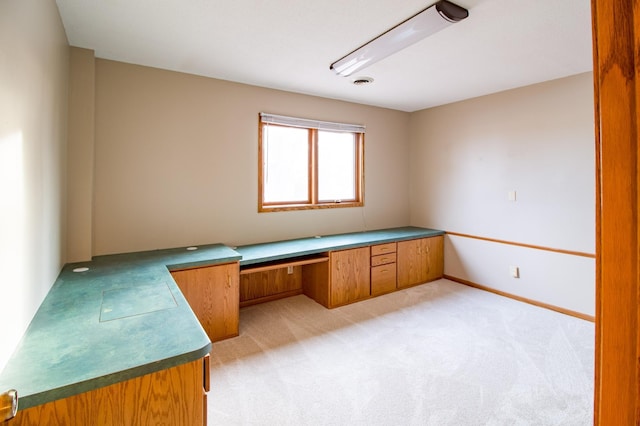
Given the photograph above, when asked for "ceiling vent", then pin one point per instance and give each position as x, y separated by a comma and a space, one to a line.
361, 81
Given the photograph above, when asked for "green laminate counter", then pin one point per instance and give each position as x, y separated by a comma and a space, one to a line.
126, 317
121, 319
281, 250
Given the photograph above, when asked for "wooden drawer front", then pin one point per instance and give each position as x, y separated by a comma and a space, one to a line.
383, 259
383, 279
383, 249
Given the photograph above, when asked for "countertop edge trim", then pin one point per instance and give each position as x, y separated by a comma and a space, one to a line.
91, 384
202, 263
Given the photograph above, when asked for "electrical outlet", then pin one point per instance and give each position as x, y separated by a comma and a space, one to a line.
289, 270
514, 271
511, 195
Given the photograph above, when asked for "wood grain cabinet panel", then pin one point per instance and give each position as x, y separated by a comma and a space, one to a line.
213, 294
380, 249
383, 268
167, 397
420, 261
349, 276
269, 285
383, 259
383, 279
315, 282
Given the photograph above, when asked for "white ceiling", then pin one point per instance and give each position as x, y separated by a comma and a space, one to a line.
289, 44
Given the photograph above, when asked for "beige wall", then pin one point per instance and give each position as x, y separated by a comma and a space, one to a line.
176, 162
171, 160
33, 116
80, 154
536, 140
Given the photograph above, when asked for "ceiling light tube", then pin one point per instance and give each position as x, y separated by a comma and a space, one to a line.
432, 19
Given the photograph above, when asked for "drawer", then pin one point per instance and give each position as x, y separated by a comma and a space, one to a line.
383, 279
383, 249
383, 259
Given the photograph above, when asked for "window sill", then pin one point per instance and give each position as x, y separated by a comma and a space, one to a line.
288, 207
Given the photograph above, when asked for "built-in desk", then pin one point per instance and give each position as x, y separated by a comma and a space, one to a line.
115, 341
118, 340
284, 250
337, 269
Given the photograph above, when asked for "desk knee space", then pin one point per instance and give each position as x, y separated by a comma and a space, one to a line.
275, 280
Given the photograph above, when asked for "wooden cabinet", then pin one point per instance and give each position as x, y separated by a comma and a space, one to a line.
383, 268
420, 260
357, 274
175, 396
349, 277
213, 294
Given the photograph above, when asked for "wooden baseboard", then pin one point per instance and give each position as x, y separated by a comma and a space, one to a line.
522, 299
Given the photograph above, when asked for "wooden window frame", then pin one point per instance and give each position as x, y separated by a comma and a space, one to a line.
312, 203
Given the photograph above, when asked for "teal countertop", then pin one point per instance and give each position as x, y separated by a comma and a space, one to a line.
268, 252
125, 316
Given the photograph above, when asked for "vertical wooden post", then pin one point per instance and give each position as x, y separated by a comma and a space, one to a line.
616, 39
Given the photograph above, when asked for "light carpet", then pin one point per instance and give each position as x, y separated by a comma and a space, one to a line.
437, 354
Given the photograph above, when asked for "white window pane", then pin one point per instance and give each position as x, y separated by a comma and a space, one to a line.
285, 159
336, 166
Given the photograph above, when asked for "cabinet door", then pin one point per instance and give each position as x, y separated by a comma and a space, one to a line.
213, 294
166, 397
349, 276
420, 261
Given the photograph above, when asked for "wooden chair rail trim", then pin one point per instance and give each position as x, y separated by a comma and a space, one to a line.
532, 246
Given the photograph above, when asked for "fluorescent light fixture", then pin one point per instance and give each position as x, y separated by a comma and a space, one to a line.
432, 19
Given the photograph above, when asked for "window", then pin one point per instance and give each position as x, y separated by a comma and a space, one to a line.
307, 164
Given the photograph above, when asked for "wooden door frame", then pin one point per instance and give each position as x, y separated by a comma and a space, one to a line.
616, 51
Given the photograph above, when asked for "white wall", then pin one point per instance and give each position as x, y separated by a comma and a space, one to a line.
33, 117
537, 140
177, 162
